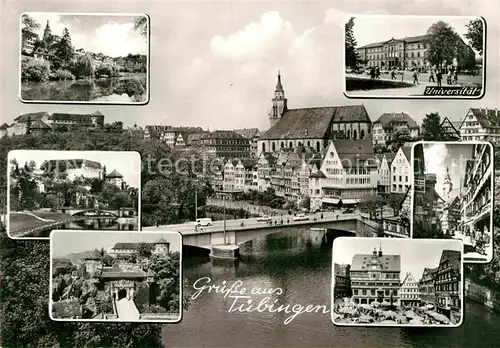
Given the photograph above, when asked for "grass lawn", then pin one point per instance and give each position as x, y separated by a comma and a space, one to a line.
21, 222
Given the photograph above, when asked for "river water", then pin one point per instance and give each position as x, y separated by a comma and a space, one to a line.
303, 271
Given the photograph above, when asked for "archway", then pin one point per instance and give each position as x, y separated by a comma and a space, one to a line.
354, 134
362, 134
122, 293
273, 147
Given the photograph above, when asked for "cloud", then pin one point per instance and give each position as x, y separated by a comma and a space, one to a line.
235, 78
435, 157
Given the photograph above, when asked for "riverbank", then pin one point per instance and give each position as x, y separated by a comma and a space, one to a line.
482, 294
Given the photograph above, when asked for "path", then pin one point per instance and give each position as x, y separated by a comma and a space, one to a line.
126, 310
31, 214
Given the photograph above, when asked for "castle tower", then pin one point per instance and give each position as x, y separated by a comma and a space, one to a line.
47, 33
447, 184
162, 246
279, 103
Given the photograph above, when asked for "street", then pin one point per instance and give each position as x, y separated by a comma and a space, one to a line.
188, 227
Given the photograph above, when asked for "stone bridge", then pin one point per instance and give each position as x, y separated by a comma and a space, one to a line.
357, 226
99, 213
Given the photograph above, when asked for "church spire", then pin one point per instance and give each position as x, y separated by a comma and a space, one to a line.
447, 174
279, 86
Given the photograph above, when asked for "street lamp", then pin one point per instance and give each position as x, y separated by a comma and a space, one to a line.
224, 215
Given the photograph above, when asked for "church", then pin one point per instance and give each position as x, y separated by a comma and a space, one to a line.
311, 127
450, 217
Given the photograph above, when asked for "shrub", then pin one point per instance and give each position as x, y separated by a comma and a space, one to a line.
152, 309
63, 75
106, 69
34, 70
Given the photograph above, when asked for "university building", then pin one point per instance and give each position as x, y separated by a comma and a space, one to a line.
481, 124
408, 52
311, 127
375, 277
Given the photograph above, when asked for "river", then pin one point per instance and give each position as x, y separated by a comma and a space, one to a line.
303, 271
131, 88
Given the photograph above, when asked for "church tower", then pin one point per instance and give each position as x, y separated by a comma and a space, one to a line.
279, 103
47, 33
447, 185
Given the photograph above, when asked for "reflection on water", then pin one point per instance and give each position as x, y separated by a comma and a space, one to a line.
301, 267
100, 224
130, 88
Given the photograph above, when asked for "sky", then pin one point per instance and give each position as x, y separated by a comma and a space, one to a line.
127, 164
438, 157
416, 254
110, 35
64, 243
402, 26
215, 64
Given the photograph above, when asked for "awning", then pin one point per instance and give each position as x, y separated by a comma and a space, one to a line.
349, 201
330, 200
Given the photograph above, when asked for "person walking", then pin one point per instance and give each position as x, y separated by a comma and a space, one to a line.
448, 77
431, 76
393, 74
372, 73
415, 77
455, 76
377, 73
439, 77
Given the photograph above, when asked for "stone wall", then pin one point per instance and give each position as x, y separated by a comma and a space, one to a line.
482, 294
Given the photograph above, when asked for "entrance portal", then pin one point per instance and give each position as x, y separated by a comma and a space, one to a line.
122, 294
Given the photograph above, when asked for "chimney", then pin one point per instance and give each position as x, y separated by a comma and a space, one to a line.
380, 250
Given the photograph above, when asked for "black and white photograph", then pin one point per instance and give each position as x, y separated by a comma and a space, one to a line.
116, 276
397, 282
87, 190
84, 58
390, 56
453, 196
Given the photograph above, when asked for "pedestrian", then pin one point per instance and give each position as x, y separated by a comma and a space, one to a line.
393, 74
448, 77
372, 73
431, 76
377, 72
439, 77
455, 76
415, 77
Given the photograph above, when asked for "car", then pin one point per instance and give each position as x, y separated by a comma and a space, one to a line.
203, 222
300, 217
348, 211
264, 218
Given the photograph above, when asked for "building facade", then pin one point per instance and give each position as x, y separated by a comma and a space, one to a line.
448, 285
74, 168
401, 170
409, 293
311, 127
225, 144
477, 219
253, 135
116, 179
408, 52
426, 287
375, 277
342, 285
389, 124
481, 124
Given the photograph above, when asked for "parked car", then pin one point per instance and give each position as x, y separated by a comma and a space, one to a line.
203, 222
300, 217
348, 211
264, 218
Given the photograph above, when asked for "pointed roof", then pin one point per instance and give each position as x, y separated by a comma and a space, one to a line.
97, 113
162, 241
114, 174
487, 118
454, 258
39, 124
33, 116
248, 133
389, 117
279, 86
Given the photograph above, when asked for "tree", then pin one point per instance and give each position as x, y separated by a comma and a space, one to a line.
442, 42
475, 35
25, 320
394, 202
64, 49
84, 66
351, 56
145, 249
141, 25
431, 127
29, 29
399, 138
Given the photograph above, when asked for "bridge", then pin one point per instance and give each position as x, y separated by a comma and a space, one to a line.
95, 213
236, 234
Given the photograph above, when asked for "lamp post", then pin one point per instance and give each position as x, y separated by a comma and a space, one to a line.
224, 215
